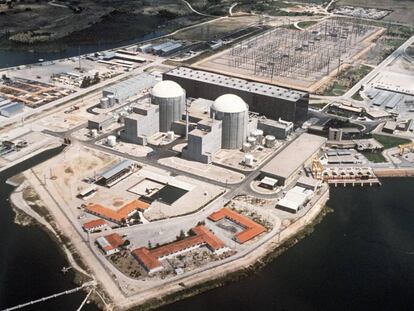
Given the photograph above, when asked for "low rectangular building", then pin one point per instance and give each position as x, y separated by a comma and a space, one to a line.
150, 259
11, 109
251, 229
298, 154
294, 200
110, 244
95, 225
272, 101
279, 129
100, 122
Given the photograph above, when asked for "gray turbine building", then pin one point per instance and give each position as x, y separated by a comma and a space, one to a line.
170, 97
272, 101
233, 112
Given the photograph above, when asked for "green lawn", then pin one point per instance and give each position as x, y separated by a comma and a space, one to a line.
375, 157
307, 24
390, 141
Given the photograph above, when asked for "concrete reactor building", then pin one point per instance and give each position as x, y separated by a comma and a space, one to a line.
233, 112
170, 97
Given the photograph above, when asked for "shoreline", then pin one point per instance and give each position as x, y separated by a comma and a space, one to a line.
205, 280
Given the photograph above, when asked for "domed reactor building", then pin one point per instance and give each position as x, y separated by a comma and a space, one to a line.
170, 97
233, 112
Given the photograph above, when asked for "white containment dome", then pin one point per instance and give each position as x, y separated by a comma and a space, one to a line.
233, 112
170, 97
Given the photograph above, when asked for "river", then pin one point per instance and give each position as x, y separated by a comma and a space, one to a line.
360, 257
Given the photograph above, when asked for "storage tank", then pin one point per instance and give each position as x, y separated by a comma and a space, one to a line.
233, 112
104, 103
247, 147
111, 99
170, 97
270, 141
170, 135
251, 140
258, 134
111, 141
248, 160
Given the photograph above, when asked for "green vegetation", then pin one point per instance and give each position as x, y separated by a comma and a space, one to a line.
307, 24
318, 105
357, 96
390, 141
345, 80
375, 157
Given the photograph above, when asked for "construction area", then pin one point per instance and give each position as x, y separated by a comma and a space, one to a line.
294, 58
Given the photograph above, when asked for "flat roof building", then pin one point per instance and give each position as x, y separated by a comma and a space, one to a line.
285, 165
294, 200
11, 109
272, 101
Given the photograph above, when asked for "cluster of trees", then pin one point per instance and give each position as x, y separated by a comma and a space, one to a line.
88, 81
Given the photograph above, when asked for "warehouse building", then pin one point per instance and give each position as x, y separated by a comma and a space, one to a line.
204, 141
11, 109
125, 89
269, 100
294, 200
286, 165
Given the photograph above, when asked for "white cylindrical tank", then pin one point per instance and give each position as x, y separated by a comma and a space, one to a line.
251, 140
111, 141
233, 112
94, 133
247, 147
111, 99
258, 134
170, 97
270, 141
248, 160
170, 135
104, 103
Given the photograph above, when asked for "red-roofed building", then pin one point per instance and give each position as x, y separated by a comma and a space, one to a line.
110, 244
119, 216
95, 225
251, 228
150, 259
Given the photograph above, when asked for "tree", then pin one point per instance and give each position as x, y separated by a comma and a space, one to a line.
149, 245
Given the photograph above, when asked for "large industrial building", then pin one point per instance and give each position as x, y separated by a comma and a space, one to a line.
141, 123
269, 100
285, 166
233, 112
170, 98
204, 141
120, 92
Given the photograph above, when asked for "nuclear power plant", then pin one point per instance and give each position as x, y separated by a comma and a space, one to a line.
170, 97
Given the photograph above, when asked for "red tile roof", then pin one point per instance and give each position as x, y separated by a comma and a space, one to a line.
116, 215
203, 236
251, 228
115, 240
94, 224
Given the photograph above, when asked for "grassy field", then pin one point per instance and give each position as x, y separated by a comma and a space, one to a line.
375, 157
307, 24
390, 141
345, 80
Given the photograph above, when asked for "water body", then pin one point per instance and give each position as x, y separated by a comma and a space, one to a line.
30, 262
361, 257
11, 58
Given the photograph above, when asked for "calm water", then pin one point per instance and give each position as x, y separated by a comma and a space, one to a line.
30, 262
361, 257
